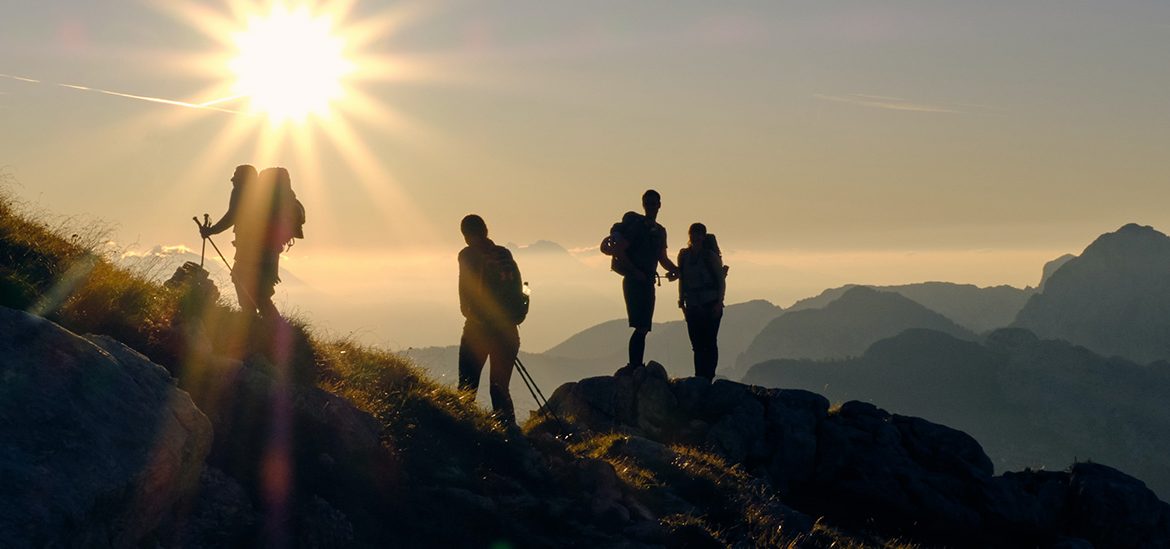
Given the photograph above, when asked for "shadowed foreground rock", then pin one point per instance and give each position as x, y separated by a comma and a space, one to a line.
860, 466
97, 445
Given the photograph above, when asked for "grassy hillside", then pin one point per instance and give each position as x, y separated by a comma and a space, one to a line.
378, 453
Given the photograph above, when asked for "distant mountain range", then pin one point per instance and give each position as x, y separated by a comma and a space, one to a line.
977, 309
1030, 402
845, 327
1114, 298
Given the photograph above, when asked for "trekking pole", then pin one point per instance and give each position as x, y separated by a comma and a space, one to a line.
537, 394
203, 249
208, 239
225, 261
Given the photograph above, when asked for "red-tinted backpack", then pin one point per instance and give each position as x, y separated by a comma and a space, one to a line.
503, 283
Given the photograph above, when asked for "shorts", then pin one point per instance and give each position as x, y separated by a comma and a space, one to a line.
639, 302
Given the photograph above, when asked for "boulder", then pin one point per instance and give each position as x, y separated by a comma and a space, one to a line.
97, 444
874, 467
792, 421
739, 434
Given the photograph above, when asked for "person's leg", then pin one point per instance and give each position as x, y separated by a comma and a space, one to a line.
638, 347
713, 334
266, 287
640, 309
694, 330
245, 276
472, 355
505, 348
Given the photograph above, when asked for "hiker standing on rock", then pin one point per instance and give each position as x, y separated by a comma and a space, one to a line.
701, 289
265, 215
638, 246
491, 298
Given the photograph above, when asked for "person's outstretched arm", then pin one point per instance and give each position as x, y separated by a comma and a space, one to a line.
671, 268
228, 219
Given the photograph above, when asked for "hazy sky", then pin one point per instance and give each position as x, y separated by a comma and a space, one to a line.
980, 137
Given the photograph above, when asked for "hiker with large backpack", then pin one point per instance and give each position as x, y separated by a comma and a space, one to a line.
638, 246
493, 302
702, 286
265, 216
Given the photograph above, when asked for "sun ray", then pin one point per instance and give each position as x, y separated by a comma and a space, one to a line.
268, 50
398, 210
210, 22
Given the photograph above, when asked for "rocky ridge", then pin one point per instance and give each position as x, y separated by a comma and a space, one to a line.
862, 467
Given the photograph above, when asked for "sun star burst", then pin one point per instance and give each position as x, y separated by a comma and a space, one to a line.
290, 64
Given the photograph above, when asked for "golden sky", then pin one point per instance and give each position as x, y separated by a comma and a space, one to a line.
858, 141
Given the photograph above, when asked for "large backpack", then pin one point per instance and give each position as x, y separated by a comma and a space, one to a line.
619, 235
704, 282
288, 214
504, 285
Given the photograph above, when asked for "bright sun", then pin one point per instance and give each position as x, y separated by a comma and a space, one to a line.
290, 64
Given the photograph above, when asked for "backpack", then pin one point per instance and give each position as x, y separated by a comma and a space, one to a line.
619, 235
502, 281
704, 282
288, 214
699, 279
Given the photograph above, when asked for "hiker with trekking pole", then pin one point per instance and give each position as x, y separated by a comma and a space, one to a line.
265, 217
494, 301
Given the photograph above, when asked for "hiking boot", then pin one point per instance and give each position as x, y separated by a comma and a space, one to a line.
628, 370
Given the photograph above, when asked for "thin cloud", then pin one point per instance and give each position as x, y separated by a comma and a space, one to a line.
21, 78
204, 106
892, 103
209, 105
159, 251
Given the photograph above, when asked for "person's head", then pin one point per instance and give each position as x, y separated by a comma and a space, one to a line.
697, 234
651, 202
243, 174
473, 228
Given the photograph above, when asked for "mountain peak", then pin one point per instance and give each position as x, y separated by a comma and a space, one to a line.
1111, 299
845, 327
538, 247
1131, 239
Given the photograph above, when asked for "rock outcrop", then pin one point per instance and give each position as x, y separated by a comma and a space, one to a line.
97, 444
862, 467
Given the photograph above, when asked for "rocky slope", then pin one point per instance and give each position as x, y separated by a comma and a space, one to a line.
860, 466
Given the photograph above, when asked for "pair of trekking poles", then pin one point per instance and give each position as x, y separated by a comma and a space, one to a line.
537, 394
203, 251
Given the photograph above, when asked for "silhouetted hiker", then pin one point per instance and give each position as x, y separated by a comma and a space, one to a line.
638, 246
490, 290
265, 216
701, 287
